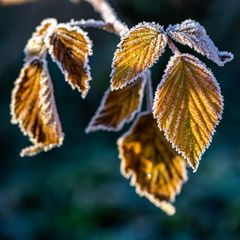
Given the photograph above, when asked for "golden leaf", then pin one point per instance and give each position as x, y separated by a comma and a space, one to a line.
118, 107
156, 170
15, 2
138, 50
188, 105
35, 45
70, 47
33, 108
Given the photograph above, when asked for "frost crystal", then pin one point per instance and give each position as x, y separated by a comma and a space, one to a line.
192, 34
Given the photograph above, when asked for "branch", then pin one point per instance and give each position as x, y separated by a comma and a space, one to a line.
173, 47
149, 91
94, 24
108, 15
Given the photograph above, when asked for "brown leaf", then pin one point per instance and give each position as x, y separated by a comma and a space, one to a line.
33, 108
15, 2
70, 47
138, 50
118, 107
156, 170
188, 106
35, 46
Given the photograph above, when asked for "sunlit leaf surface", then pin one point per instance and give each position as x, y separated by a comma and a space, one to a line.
70, 47
148, 158
188, 105
138, 50
118, 107
35, 45
194, 35
33, 108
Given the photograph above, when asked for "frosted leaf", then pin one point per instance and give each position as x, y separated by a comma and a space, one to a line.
138, 50
70, 48
154, 167
118, 107
188, 105
192, 34
33, 108
35, 46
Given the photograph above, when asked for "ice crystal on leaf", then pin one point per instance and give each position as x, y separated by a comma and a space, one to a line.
33, 108
138, 50
192, 34
35, 45
175, 131
155, 169
188, 105
118, 107
70, 47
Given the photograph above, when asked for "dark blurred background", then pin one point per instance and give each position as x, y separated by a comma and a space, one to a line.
77, 191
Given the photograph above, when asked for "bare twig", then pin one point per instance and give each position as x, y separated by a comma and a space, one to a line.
173, 47
108, 15
94, 24
149, 91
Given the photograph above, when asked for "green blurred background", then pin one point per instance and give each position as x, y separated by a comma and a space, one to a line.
77, 191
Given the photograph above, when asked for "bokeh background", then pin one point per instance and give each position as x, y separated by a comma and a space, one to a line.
77, 191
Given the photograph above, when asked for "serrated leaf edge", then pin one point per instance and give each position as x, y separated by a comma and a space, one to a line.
170, 28
166, 206
86, 66
53, 24
169, 66
111, 129
14, 120
150, 25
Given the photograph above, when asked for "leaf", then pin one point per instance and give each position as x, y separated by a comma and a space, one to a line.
188, 105
156, 170
118, 107
33, 108
35, 46
192, 34
138, 50
70, 47
15, 2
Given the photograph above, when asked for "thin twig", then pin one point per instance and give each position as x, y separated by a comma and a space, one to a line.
108, 15
149, 91
92, 23
173, 47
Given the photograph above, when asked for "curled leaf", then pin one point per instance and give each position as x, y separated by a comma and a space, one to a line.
156, 170
138, 50
35, 46
70, 47
194, 35
118, 107
33, 108
188, 105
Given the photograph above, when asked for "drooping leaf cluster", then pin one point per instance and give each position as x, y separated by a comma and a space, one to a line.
174, 131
